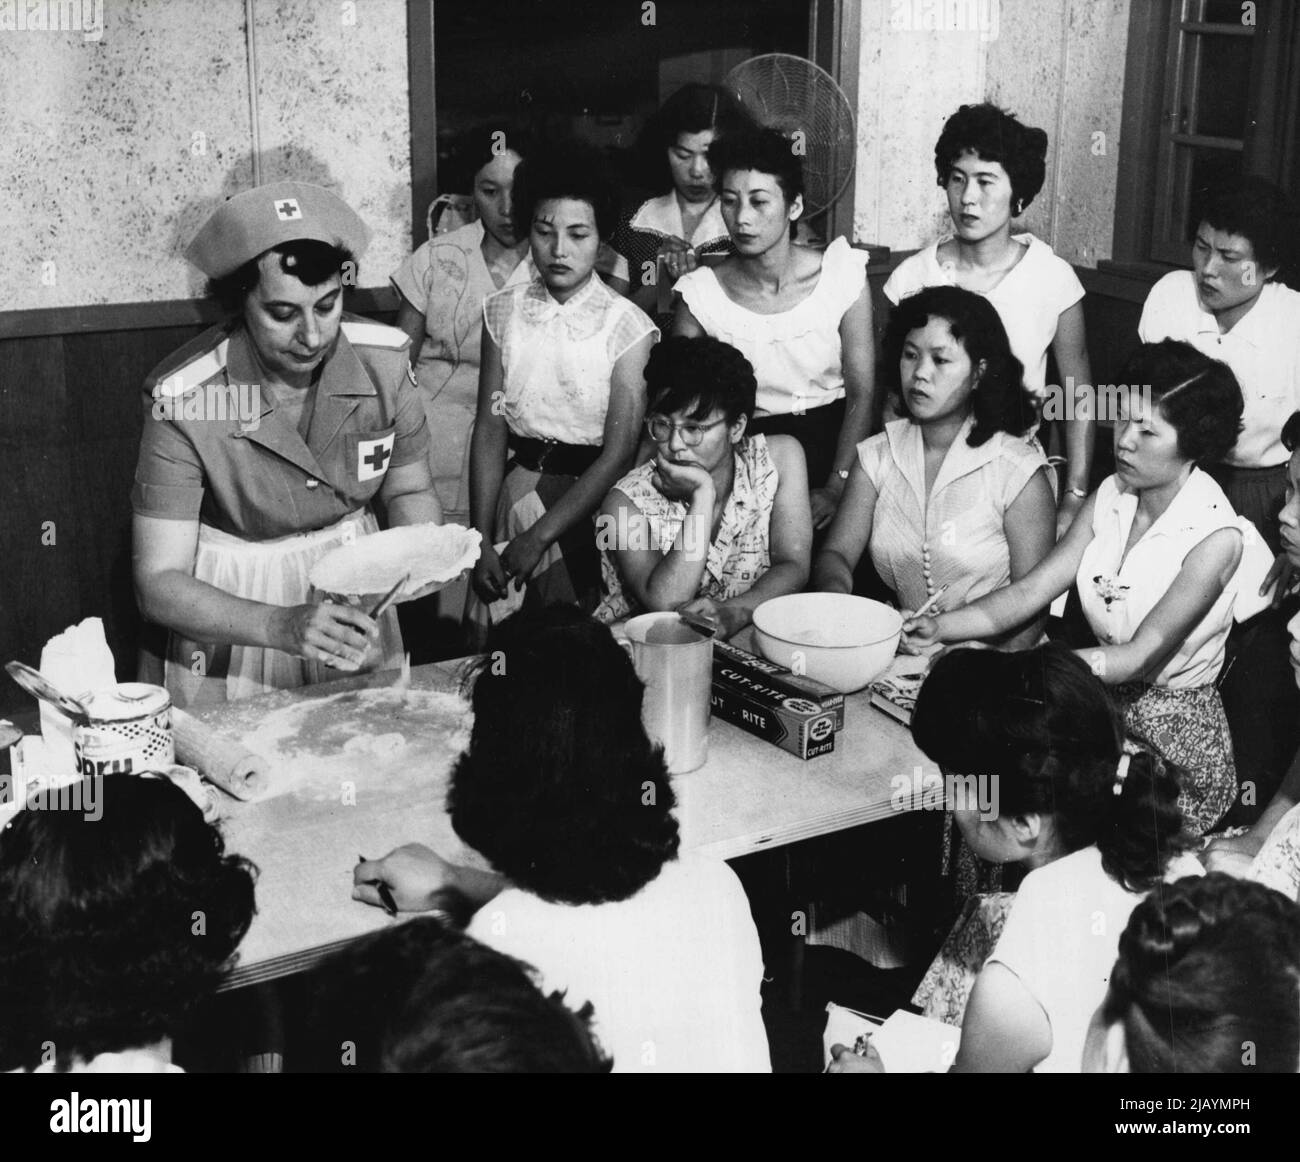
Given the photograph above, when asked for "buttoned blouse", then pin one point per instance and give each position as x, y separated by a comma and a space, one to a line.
215, 448
558, 358
1263, 350
1116, 599
956, 537
738, 556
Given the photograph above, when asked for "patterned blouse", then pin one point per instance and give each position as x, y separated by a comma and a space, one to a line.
739, 554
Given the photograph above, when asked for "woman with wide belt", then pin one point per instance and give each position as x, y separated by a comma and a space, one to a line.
265, 440
561, 398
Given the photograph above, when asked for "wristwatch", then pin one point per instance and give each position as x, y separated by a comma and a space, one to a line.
1079, 492
842, 473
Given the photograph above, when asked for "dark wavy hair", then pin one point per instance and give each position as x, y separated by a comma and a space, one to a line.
763, 150
560, 789
309, 261
1197, 395
424, 998
1043, 724
113, 929
995, 135
568, 169
1258, 211
469, 151
1206, 966
702, 374
1000, 402
694, 108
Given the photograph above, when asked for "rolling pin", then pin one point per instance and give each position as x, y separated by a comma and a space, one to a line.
221, 760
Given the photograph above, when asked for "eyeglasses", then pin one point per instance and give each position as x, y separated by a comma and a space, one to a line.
661, 429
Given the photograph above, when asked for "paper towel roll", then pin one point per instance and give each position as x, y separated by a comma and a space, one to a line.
221, 760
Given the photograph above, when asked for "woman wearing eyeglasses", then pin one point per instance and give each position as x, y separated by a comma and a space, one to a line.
718, 521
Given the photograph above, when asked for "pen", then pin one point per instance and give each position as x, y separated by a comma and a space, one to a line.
929, 605
385, 892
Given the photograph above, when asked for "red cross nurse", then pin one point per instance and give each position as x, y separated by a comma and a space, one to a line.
265, 440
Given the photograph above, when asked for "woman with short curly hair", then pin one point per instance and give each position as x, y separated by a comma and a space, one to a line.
114, 929
1162, 563
718, 521
563, 794
991, 167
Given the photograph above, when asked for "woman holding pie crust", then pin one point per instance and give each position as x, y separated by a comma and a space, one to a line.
265, 440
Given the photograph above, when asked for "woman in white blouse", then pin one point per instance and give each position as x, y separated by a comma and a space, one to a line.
561, 397
802, 317
1162, 563
992, 166
950, 498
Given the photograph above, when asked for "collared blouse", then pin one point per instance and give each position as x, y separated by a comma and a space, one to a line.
558, 358
1263, 350
956, 537
1117, 598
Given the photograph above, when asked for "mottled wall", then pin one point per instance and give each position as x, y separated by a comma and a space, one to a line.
115, 149
1057, 64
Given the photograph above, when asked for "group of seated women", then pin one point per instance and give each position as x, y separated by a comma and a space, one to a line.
733, 461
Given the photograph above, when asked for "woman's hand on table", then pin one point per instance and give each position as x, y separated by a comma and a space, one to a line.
844, 1060
678, 257
340, 636
489, 576
729, 618
413, 874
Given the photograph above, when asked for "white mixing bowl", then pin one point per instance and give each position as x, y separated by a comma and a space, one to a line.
836, 638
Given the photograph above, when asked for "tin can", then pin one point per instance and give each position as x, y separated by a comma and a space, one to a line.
129, 731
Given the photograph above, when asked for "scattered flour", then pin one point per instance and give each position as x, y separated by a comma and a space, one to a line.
385, 739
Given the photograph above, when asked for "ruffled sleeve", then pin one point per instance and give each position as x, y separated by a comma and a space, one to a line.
632, 326
844, 274
701, 292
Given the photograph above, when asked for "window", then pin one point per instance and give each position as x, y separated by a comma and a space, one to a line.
1212, 91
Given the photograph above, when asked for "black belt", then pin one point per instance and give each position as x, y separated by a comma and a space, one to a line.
552, 457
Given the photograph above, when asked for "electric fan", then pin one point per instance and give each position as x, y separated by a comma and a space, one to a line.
803, 101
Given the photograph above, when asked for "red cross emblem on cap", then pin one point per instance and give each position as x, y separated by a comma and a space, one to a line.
287, 210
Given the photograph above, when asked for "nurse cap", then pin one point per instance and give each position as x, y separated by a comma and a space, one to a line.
258, 219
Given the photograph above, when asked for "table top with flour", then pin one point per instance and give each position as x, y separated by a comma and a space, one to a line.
360, 766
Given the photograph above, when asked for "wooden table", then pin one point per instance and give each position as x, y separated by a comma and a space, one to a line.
748, 796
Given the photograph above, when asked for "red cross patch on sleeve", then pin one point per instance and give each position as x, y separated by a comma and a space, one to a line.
373, 456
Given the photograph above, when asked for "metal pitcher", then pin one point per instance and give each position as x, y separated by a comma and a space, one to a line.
675, 662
